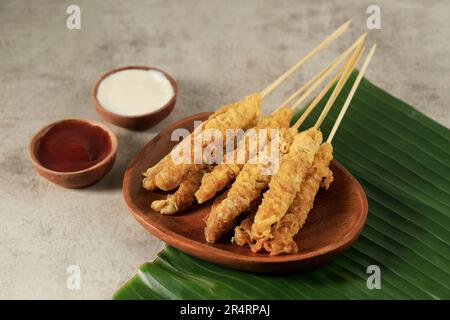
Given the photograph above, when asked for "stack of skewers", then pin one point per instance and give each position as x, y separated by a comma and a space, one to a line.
265, 208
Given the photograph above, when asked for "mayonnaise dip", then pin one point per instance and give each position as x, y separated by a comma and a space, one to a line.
134, 92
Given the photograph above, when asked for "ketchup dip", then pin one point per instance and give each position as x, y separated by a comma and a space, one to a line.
73, 145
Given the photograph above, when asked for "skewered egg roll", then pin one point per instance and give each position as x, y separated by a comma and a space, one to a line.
248, 186
183, 197
242, 231
149, 176
319, 175
285, 183
225, 173
243, 116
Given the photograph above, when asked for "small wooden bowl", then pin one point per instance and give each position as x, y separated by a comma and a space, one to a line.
333, 225
140, 122
74, 179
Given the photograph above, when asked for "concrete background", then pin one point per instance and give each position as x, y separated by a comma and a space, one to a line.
218, 51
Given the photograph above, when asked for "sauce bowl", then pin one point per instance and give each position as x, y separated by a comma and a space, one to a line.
67, 178
141, 121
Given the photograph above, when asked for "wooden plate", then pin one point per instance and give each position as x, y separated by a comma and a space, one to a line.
333, 225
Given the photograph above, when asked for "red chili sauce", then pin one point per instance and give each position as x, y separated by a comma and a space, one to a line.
73, 145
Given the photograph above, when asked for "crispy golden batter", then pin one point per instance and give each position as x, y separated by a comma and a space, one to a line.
248, 186
242, 231
242, 116
246, 113
285, 230
182, 198
319, 175
285, 183
149, 176
225, 173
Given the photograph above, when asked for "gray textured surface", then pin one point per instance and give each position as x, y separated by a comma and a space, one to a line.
218, 52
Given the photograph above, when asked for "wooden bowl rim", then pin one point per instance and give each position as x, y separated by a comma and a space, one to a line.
35, 160
147, 115
196, 248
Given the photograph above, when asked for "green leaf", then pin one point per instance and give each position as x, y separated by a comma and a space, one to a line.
402, 160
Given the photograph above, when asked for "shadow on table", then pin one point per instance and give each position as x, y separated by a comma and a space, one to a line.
129, 144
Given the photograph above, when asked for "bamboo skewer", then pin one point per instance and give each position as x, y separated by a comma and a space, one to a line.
351, 93
295, 67
316, 100
342, 80
313, 83
297, 103
327, 72
357, 44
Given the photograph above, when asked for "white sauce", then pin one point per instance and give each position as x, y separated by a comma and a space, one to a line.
134, 92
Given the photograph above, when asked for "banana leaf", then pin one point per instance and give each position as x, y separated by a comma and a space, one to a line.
402, 160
